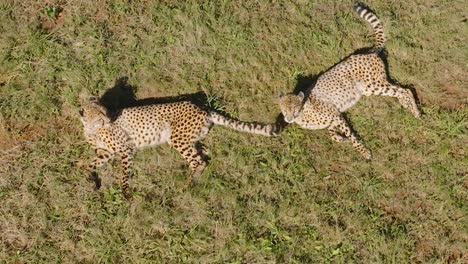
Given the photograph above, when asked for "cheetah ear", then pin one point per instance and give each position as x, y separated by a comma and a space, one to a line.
93, 99
301, 95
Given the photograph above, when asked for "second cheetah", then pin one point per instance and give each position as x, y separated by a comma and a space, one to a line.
341, 87
181, 124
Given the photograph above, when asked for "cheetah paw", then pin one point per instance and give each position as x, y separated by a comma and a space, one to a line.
367, 155
127, 195
93, 177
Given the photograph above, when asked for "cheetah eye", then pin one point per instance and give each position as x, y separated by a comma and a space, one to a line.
81, 112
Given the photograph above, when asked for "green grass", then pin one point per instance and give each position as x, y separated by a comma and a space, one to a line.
296, 198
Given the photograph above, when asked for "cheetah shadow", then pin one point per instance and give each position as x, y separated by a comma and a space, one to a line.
123, 95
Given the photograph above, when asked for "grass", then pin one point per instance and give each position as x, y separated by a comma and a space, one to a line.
296, 198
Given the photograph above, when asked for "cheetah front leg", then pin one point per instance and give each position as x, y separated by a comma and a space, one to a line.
127, 162
103, 156
341, 123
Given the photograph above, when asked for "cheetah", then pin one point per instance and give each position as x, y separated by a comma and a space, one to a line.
180, 124
341, 87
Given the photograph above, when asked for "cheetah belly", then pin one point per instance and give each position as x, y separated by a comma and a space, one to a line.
342, 96
351, 98
312, 125
152, 137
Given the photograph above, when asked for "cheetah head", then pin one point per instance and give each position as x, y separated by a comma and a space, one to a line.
93, 116
290, 105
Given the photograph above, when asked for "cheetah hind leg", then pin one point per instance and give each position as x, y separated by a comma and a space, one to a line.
404, 96
408, 101
202, 159
194, 156
197, 172
197, 164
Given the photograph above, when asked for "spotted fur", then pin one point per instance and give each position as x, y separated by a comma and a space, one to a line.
180, 124
341, 87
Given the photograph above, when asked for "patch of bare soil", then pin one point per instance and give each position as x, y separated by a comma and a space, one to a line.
453, 97
17, 137
53, 20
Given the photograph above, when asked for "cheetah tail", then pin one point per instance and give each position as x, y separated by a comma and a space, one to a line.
370, 17
249, 127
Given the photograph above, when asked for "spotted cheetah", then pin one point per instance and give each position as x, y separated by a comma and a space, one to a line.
341, 87
181, 124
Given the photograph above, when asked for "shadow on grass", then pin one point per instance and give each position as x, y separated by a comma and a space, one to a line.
123, 95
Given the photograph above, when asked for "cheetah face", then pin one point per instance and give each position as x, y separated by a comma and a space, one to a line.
290, 105
93, 116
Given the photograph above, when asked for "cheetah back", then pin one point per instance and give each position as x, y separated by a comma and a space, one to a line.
344, 84
155, 124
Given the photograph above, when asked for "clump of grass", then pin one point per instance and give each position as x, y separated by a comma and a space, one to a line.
216, 103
